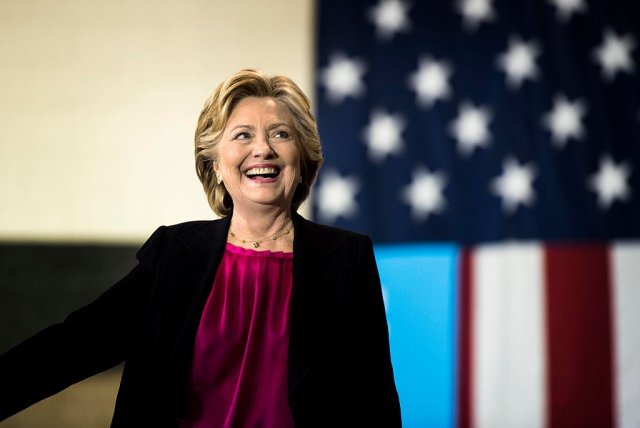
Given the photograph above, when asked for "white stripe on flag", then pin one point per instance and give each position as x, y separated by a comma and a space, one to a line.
626, 289
508, 363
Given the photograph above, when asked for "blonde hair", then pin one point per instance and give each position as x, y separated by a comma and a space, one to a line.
215, 115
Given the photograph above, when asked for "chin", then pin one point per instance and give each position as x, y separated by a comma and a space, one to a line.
270, 201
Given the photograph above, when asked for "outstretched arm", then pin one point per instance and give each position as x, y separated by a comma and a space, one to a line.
92, 339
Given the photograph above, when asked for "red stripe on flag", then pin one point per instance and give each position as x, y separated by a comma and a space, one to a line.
579, 339
465, 342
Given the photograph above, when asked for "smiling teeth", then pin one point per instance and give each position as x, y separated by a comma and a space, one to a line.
261, 171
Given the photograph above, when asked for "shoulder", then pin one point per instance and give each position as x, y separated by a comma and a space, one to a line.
334, 231
176, 239
329, 235
171, 232
179, 229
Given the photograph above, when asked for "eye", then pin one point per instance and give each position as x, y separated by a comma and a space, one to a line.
242, 136
281, 134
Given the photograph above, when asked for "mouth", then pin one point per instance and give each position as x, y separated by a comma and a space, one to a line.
262, 173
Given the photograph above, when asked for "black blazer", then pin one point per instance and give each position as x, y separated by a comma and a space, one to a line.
339, 365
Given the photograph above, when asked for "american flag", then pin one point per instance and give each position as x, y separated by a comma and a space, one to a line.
501, 138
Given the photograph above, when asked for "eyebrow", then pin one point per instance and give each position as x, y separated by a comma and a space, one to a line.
242, 126
276, 125
251, 127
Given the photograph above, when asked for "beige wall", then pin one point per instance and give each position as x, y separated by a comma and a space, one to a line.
99, 100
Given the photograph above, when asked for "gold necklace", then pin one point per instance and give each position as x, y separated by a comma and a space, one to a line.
256, 244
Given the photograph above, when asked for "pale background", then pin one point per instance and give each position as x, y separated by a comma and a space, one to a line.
98, 105
99, 102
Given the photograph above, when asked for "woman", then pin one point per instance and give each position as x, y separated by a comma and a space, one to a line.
258, 319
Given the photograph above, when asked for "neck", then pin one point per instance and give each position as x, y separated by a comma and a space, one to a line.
258, 225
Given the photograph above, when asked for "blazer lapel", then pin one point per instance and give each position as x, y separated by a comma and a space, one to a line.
313, 300
206, 245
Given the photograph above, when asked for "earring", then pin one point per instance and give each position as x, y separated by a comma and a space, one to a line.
218, 177
300, 180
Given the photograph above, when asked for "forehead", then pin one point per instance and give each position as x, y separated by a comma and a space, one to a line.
258, 109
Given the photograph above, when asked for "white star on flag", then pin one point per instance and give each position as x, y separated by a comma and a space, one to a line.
425, 193
566, 8
515, 185
383, 135
471, 128
431, 81
474, 12
519, 61
614, 54
343, 77
565, 120
610, 182
337, 196
390, 17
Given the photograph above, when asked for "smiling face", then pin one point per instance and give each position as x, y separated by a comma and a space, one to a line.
258, 156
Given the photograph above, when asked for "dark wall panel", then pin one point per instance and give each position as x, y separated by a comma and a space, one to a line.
41, 283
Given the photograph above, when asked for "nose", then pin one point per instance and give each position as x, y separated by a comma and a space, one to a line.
262, 147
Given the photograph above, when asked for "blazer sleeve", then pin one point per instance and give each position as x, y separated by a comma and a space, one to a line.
91, 339
371, 374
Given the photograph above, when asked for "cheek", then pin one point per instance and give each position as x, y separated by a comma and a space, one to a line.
229, 160
295, 167
296, 158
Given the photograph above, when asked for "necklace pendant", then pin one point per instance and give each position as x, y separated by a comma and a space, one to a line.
256, 244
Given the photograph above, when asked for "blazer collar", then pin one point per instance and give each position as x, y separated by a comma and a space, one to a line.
208, 239
310, 242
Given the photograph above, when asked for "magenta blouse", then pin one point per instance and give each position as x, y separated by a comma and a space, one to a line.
239, 369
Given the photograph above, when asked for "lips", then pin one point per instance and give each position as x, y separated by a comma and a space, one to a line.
262, 173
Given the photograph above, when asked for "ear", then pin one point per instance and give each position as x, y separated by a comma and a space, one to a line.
215, 166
